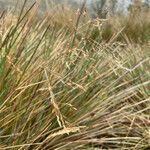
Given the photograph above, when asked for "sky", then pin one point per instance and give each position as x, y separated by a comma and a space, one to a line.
121, 6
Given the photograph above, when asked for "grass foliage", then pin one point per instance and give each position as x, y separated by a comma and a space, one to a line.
64, 86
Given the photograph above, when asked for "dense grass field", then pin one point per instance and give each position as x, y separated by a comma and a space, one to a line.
69, 82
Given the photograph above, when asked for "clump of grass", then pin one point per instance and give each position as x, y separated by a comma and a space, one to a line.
63, 89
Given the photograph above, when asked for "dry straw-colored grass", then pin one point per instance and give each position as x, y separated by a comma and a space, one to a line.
64, 87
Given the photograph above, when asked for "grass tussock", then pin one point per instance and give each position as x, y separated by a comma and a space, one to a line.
64, 87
